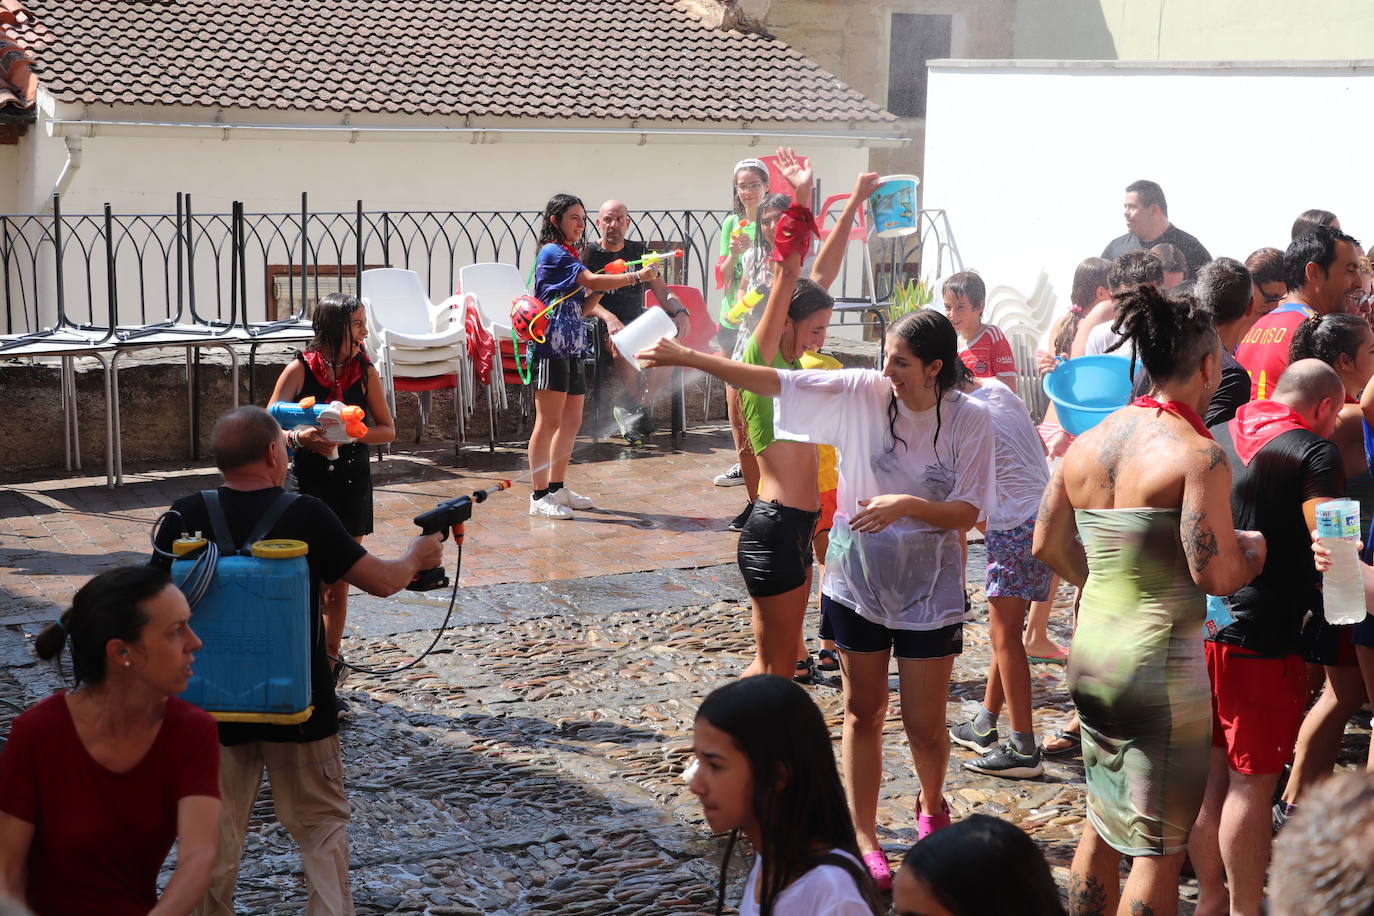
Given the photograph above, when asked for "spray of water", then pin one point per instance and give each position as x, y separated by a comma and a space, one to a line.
689, 376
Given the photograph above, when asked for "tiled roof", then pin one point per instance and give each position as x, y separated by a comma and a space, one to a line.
20, 36
542, 59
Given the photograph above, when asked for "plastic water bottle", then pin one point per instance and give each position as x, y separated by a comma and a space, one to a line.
1338, 527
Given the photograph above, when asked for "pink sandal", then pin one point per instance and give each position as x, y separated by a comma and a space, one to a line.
926, 824
879, 869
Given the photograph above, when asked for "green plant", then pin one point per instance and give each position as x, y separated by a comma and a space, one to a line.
908, 296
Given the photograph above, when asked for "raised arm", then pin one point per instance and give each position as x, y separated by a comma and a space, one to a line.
827, 264
1220, 559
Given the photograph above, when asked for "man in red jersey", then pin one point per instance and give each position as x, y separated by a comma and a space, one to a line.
1322, 270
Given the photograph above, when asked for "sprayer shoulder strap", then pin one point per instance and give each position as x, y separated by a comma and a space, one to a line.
219, 522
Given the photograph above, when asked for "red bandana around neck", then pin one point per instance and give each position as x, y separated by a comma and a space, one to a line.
1258, 423
352, 371
1178, 409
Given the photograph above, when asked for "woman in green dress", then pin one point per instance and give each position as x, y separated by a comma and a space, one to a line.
1148, 492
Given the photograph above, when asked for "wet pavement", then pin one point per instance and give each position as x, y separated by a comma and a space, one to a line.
531, 763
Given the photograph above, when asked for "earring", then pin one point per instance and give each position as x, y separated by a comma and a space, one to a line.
126, 663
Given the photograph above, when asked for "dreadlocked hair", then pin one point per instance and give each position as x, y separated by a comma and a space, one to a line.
1172, 333
929, 336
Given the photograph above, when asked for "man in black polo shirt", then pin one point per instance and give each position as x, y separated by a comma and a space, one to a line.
1147, 225
302, 761
1255, 653
619, 307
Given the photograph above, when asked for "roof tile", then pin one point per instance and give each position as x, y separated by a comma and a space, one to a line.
533, 59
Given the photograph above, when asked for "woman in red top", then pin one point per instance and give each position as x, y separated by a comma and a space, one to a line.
97, 782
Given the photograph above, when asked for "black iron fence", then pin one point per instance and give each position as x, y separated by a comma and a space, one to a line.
127, 275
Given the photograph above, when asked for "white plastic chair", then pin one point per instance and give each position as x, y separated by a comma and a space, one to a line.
491, 288
402, 322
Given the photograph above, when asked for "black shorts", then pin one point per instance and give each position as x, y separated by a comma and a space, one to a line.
774, 551
560, 373
841, 623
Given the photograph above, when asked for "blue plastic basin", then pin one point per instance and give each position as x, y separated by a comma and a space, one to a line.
1085, 390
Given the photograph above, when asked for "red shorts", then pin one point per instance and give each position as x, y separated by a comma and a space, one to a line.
827, 512
1257, 706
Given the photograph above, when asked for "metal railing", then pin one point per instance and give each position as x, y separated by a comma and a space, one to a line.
126, 276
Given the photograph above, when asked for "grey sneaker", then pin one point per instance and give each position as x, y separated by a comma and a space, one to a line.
964, 735
1005, 762
731, 478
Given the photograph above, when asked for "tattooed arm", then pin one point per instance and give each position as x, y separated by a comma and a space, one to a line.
1220, 558
1056, 541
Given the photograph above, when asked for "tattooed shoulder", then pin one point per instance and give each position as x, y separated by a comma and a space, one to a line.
1199, 541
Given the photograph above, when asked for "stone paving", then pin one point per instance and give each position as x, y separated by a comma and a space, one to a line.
531, 763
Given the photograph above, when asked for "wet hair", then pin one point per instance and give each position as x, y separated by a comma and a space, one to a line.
954, 863
1321, 856
968, 285
1088, 277
735, 206
330, 324
1140, 267
1224, 286
1317, 246
242, 436
105, 608
779, 728
1310, 219
1266, 266
1328, 338
558, 204
1172, 333
807, 299
929, 336
1150, 193
1170, 258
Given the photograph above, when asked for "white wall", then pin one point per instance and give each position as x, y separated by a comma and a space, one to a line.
143, 174
1031, 161
9, 177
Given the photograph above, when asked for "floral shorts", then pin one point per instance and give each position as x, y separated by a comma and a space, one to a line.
1012, 571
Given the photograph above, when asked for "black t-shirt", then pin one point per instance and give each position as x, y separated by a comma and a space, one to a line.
627, 302
1267, 496
1231, 393
332, 554
1192, 249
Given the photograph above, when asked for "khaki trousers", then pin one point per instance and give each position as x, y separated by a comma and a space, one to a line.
308, 793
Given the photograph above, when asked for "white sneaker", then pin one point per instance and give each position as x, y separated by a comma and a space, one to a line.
731, 478
566, 497
548, 507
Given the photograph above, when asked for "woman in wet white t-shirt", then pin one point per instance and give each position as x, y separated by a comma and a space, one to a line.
916, 468
765, 729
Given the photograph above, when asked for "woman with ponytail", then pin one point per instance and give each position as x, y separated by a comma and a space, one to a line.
764, 767
97, 782
916, 468
1149, 493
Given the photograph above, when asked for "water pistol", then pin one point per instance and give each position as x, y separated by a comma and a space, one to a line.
341, 423
440, 520
739, 230
744, 305
650, 259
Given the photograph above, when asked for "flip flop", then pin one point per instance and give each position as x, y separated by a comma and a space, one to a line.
1075, 740
827, 661
1060, 657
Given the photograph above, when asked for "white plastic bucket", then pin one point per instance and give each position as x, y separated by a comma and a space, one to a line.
645, 331
893, 204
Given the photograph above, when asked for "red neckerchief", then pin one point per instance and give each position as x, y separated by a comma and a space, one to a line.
572, 251
1178, 409
352, 371
796, 226
1258, 423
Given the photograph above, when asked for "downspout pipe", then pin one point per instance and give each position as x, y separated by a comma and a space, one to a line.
64, 178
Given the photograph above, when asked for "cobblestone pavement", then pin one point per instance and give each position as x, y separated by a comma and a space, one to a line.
531, 763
